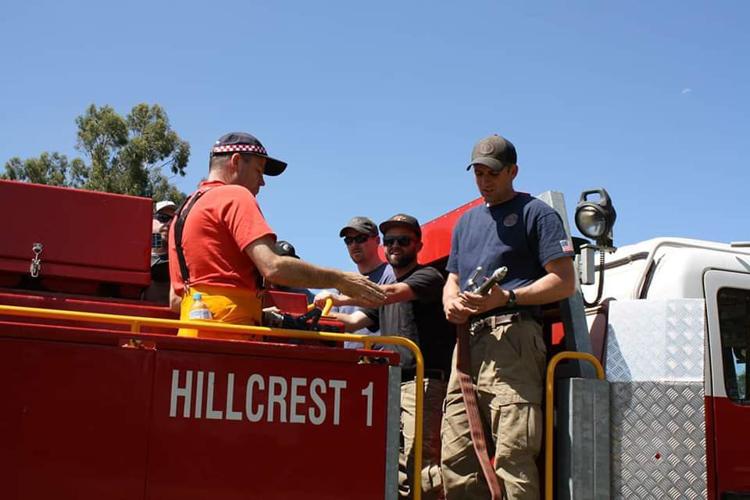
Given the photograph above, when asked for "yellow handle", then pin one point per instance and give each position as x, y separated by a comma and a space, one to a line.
326, 308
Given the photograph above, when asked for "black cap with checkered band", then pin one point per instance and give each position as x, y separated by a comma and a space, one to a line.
242, 142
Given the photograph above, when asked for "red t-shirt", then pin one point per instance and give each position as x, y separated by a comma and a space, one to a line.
221, 224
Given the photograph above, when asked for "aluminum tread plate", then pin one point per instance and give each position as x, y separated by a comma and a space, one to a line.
656, 340
658, 440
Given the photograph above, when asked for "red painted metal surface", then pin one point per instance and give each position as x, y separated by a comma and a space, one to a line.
289, 302
436, 234
729, 450
320, 456
710, 449
73, 420
87, 236
66, 302
82, 417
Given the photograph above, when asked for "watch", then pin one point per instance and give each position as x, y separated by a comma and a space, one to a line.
511, 299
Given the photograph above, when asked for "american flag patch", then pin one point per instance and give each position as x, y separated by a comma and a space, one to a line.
566, 247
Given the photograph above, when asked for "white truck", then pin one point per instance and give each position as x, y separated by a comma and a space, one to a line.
669, 319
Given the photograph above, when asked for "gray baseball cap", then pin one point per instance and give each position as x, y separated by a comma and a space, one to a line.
360, 224
495, 152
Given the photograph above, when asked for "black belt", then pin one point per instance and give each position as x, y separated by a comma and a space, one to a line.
499, 319
408, 374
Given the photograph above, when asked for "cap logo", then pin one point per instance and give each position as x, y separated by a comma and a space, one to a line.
400, 218
486, 148
240, 148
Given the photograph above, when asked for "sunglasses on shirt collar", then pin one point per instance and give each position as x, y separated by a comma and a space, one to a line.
360, 238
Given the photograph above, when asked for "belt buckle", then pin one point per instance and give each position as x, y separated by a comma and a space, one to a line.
476, 325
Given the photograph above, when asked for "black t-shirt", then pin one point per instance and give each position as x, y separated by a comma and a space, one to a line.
421, 320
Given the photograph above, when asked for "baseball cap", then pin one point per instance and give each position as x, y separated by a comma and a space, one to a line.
241, 142
360, 224
495, 151
402, 220
285, 249
161, 205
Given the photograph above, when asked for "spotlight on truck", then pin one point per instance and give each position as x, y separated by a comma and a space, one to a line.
595, 219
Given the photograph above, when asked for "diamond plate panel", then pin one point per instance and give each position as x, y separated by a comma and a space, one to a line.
655, 340
658, 440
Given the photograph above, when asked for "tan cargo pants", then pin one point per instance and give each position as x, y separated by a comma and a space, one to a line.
434, 394
507, 368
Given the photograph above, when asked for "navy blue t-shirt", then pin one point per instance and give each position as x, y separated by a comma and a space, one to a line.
523, 234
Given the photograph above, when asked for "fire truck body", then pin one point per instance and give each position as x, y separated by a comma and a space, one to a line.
673, 336
97, 407
114, 409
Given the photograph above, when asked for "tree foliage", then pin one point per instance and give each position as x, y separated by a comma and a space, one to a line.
126, 155
53, 169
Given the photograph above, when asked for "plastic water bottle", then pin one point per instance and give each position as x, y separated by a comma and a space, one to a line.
199, 309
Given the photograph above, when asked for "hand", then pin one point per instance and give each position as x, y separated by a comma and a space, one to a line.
497, 297
363, 291
457, 310
321, 298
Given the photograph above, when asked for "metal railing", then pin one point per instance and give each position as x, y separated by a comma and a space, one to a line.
550, 411
136, 322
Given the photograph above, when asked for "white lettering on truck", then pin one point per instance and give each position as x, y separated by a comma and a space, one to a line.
273, 398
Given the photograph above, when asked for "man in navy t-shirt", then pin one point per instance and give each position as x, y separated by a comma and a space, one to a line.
506, 346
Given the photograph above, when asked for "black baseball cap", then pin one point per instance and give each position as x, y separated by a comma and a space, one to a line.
360, 224
495, 152
241, 142
402, 220
285, 249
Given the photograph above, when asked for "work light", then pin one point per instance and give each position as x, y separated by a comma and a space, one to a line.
595, 219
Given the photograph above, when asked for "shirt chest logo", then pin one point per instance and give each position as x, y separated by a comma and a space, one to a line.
510, 220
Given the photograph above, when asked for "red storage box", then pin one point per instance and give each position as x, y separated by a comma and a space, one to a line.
88, 239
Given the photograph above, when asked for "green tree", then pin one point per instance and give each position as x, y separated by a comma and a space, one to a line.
126, 155
50, 168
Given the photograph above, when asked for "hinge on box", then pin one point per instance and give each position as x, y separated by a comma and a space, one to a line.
36, 263
130, 343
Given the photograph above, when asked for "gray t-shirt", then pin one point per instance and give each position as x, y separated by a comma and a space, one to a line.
382, 275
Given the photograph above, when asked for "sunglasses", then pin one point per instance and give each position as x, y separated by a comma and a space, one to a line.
360, 238
163, 217
403, 241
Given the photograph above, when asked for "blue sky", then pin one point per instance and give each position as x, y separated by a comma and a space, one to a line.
376, 105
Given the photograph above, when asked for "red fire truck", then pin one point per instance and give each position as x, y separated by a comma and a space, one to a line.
100, 399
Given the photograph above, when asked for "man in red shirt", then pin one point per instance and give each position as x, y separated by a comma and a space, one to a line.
221, 244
